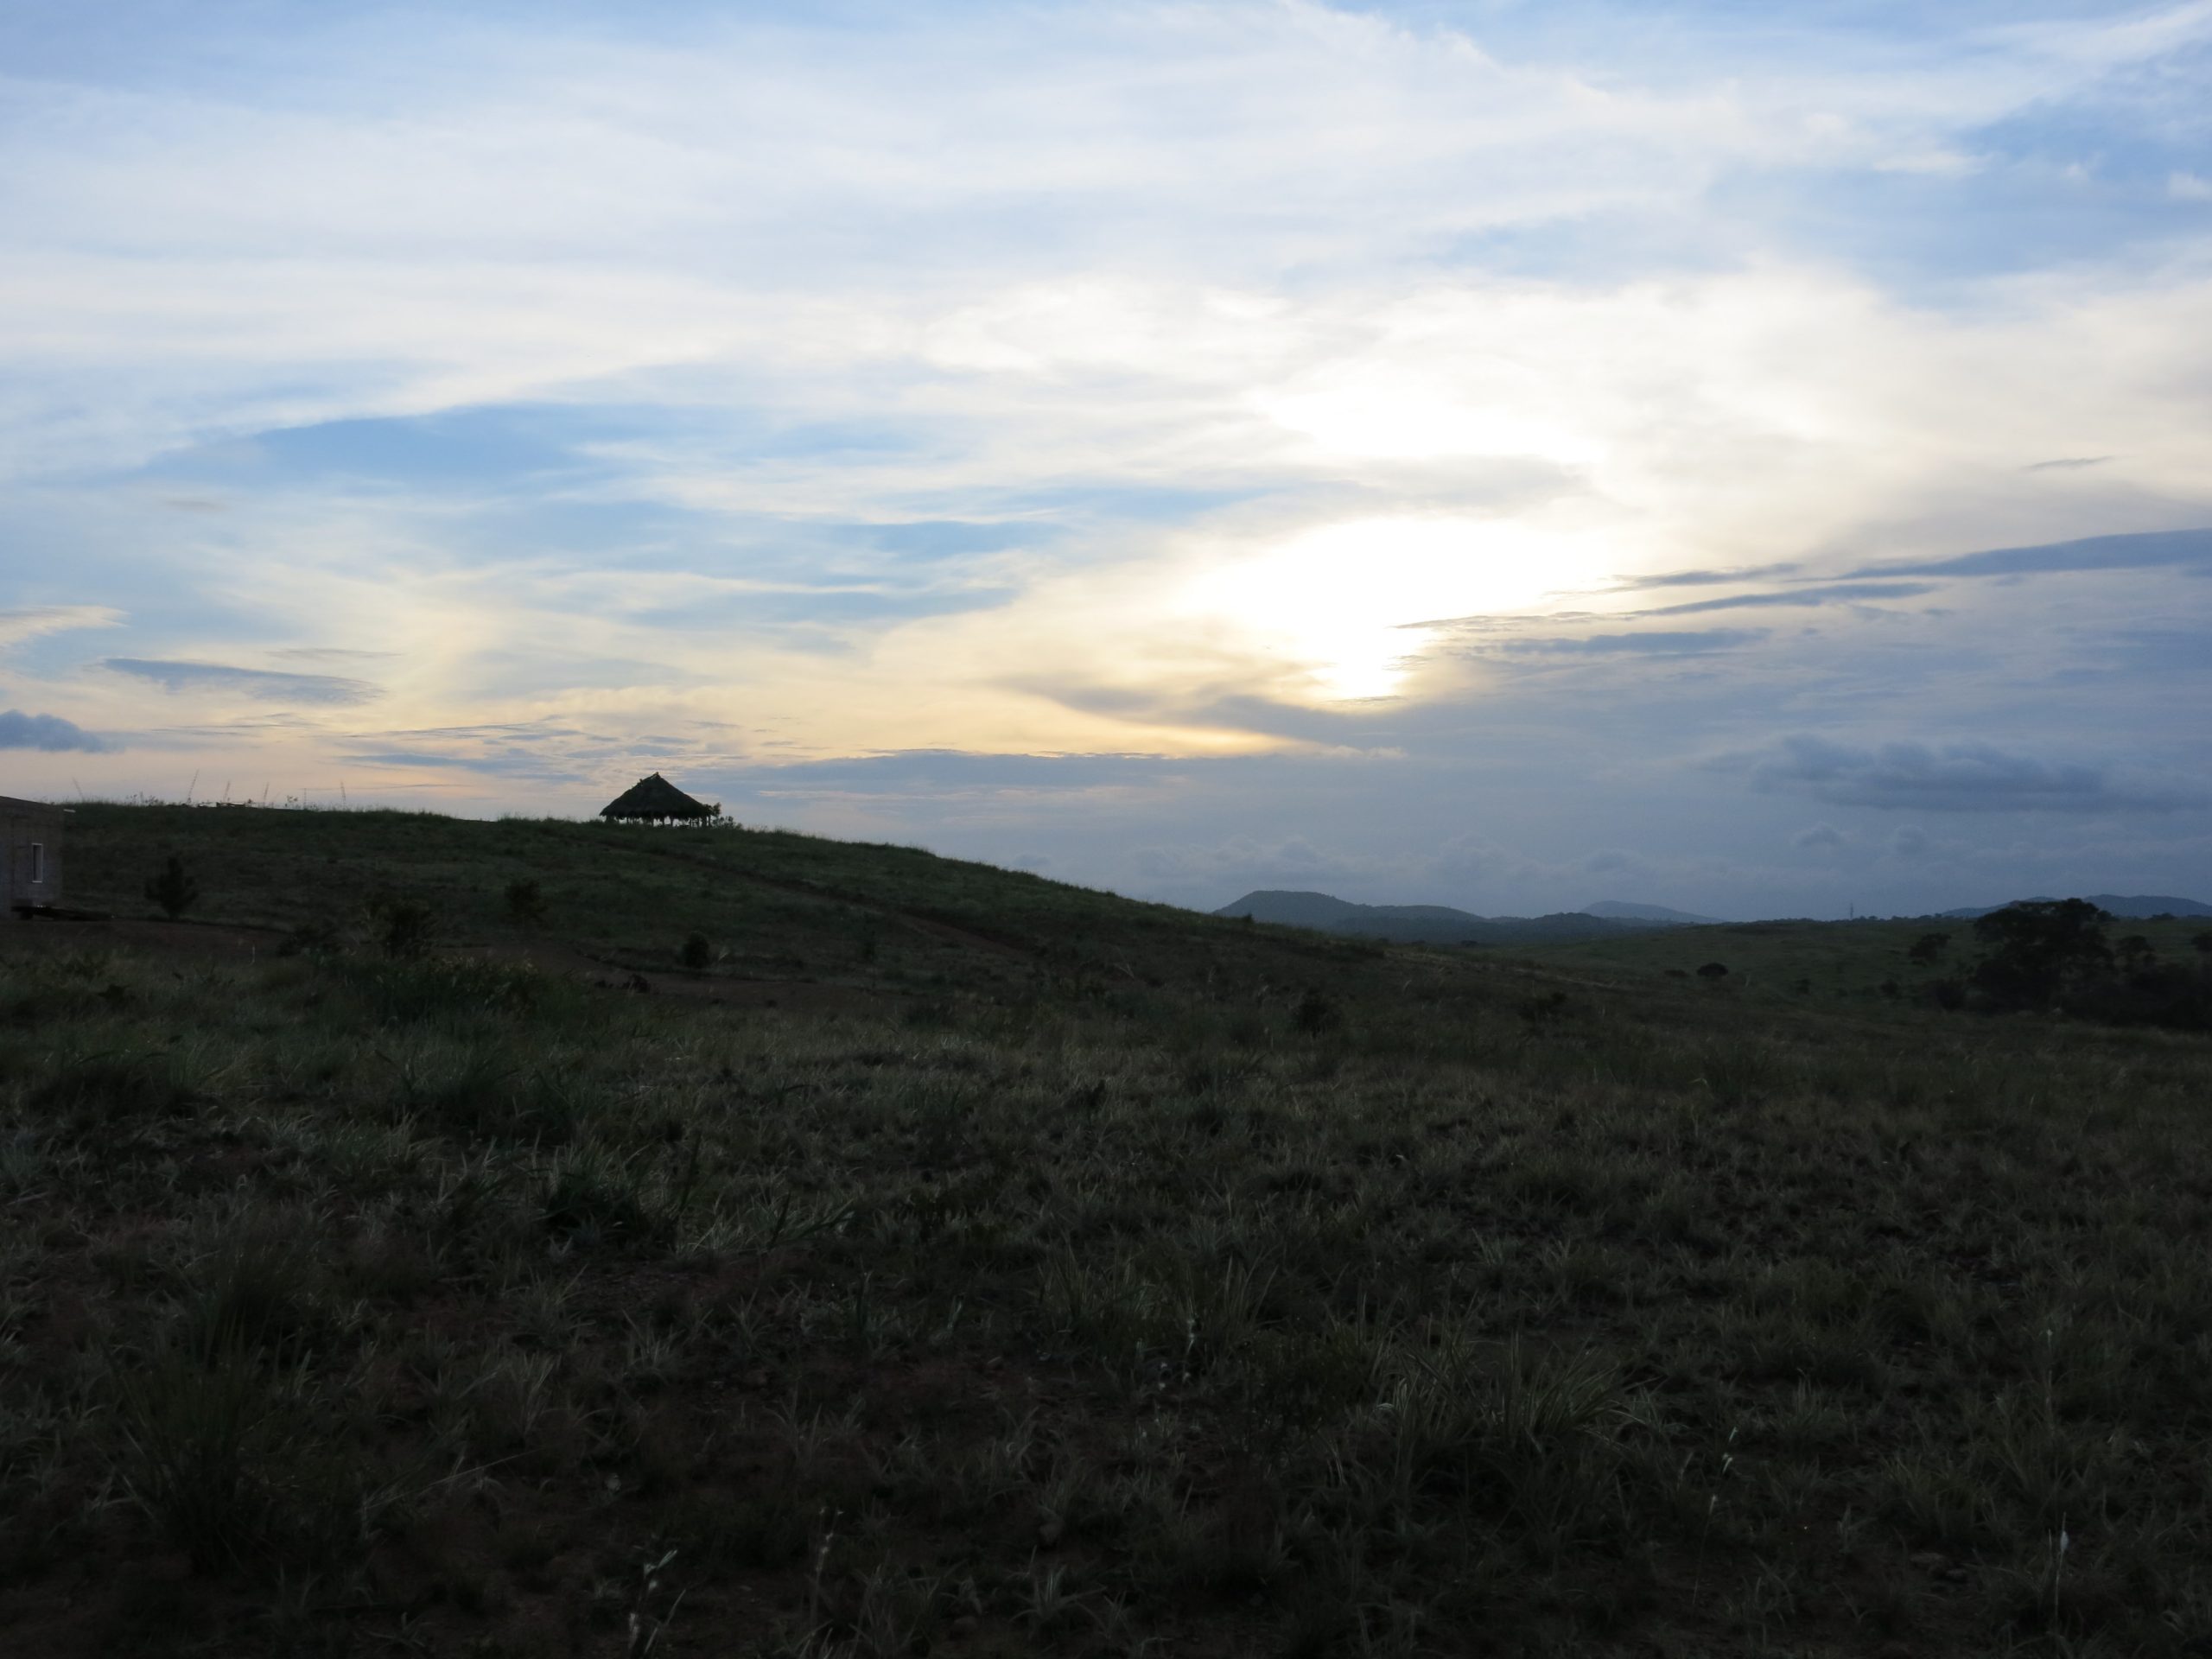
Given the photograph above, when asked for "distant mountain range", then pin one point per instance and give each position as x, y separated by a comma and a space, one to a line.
1441, 924
2135, 906
1620, 910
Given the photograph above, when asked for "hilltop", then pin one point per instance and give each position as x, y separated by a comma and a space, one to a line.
538, 1237
1440, 923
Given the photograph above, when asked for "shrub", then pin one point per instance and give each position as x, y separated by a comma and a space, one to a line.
313, 938
1713, 970
2039, 950
698, 955
526, 903
189, 1421
591, 1199
174, 890
1316, 1014
402, 926
1548, 1009
1930, 947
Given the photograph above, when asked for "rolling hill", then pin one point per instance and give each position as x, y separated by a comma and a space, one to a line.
530, 1237
1442, 925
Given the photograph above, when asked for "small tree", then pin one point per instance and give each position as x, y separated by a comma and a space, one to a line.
172, 889
1316, 1014
1930, 947
526, 903
2039, 950
402, 926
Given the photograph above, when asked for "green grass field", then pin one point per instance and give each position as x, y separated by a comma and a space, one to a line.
1857, 961
957, 1263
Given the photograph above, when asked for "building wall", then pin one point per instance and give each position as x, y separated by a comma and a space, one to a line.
21, 824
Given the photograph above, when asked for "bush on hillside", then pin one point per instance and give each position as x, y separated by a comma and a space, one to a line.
172, 889
2053, 954
402, 926
2040, 950
1930, 947
526, 903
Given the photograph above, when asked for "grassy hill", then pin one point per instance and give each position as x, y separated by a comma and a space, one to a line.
960, 1263
1858, 963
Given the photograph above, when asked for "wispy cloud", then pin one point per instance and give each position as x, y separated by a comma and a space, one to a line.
2151, 551
1659, 642
1960, 777
1854, 593
264, 685
16, 626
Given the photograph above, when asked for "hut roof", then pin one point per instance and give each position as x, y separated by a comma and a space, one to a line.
656, 797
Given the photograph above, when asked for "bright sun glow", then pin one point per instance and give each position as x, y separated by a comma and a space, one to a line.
1403, 415
1340, 601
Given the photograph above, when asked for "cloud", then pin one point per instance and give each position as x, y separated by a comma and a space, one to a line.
2067, 464
16, 626
1657, 642
1713, 578
1909, 842
47, 732
950, 772
1821, 837
2148, 551
1966, 777
262, 684
1836, 594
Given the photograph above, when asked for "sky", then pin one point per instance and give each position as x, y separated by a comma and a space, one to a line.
1755, 460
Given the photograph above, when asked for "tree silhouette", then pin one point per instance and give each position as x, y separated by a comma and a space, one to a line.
172, 889
2041, 949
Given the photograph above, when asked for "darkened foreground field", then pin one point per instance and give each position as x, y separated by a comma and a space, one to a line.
960, 1263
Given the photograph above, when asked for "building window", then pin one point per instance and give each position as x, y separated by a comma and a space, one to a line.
38, 862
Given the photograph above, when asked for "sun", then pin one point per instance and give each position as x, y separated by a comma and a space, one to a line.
1342, 604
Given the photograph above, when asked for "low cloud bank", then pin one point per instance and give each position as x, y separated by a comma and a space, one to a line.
1966, 777
49, 732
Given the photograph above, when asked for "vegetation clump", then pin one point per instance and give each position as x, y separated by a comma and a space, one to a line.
403, 927
2055, 955
173, 888
526, 903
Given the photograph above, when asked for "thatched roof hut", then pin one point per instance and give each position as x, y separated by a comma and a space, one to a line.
655, 800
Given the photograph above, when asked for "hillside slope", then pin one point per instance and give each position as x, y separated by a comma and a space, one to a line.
967, 1264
